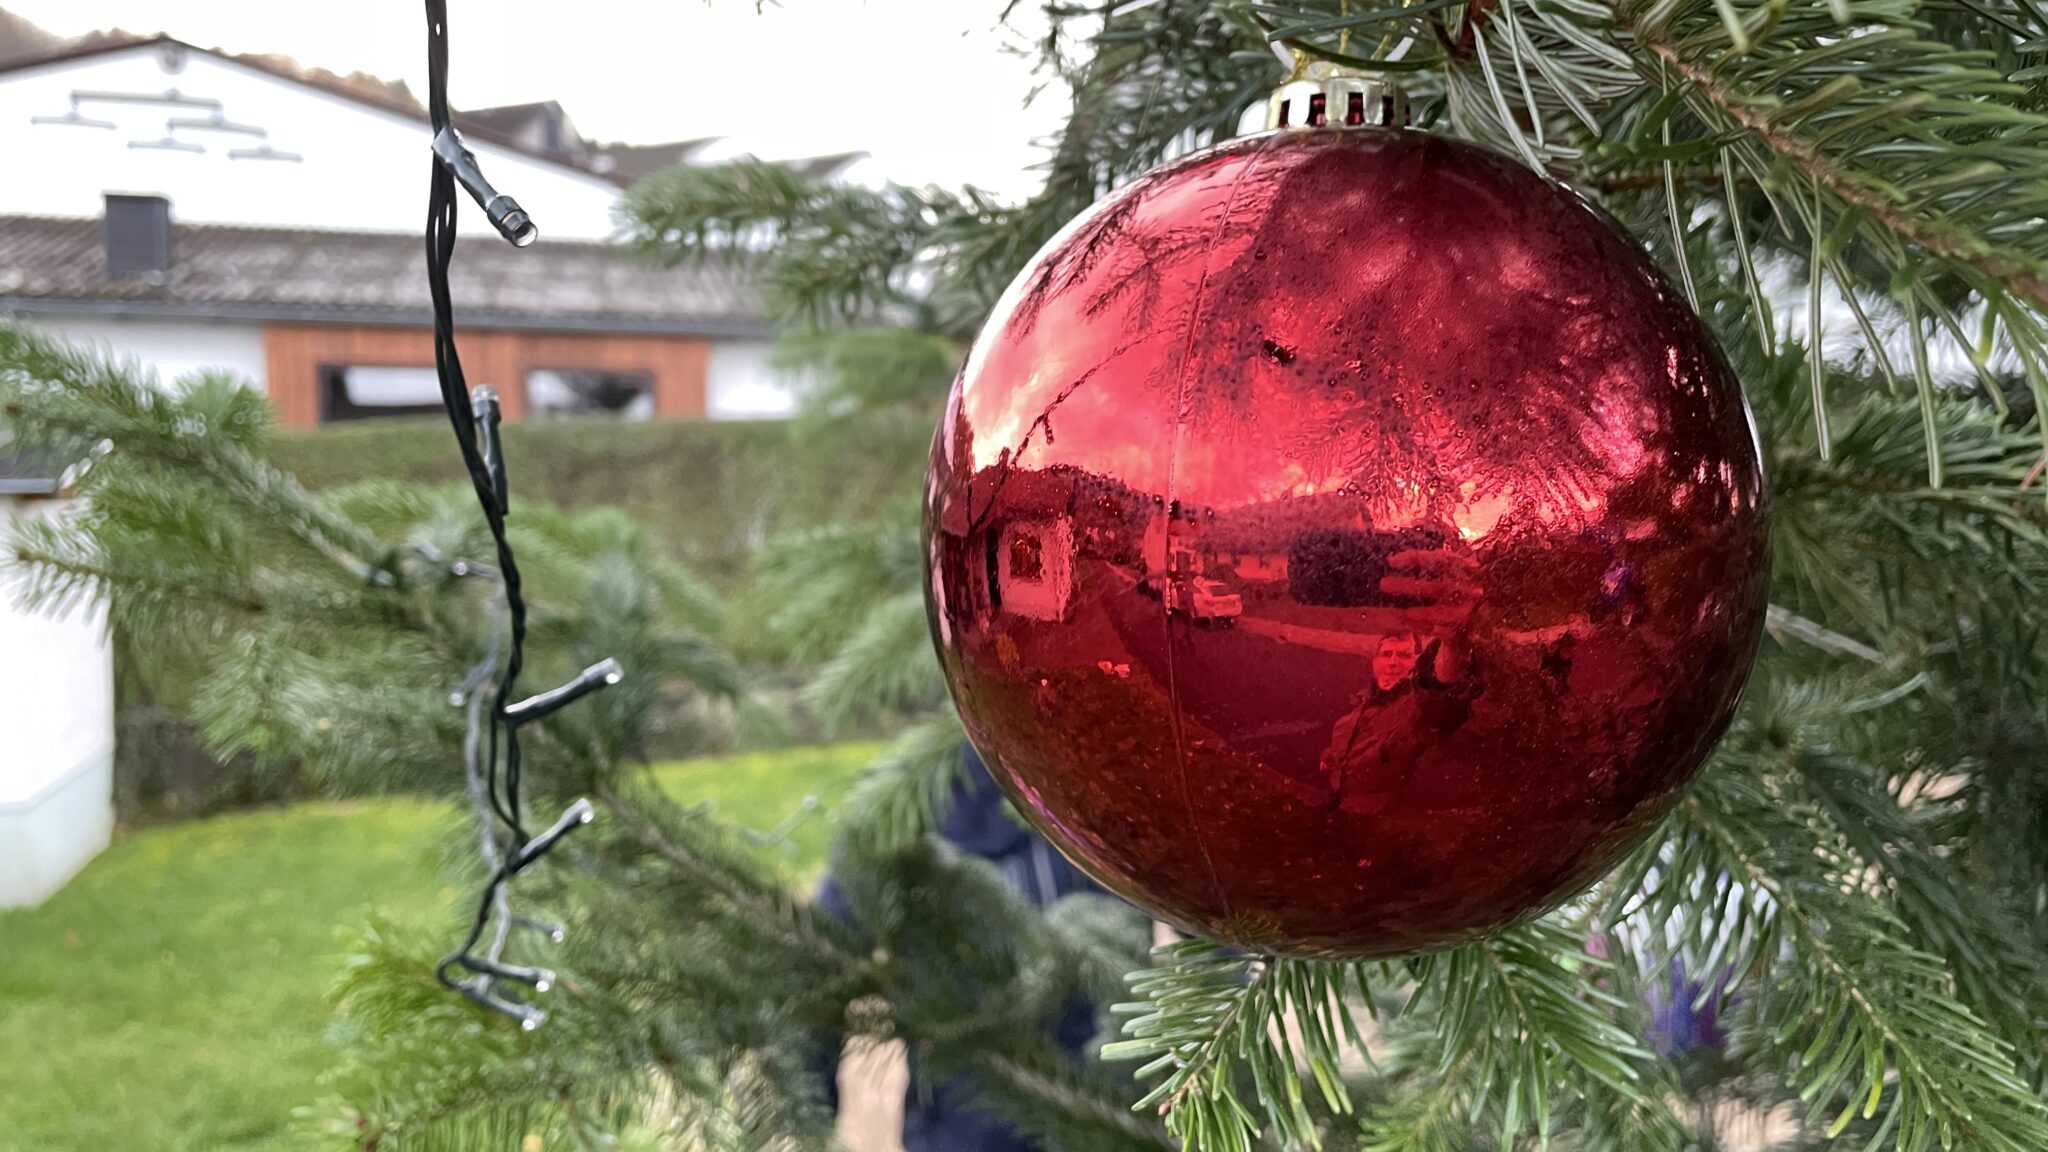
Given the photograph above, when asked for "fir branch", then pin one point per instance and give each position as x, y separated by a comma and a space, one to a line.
870, 371
903, 795
885, 666
1438, 1117
1102, 938
761, 904
1524, 1014
1205, 1009
2003, 981
59, 569
55, 396
821, 583
1865, 1005
1825, 134
1522, 1027
1042, 1086
823, 253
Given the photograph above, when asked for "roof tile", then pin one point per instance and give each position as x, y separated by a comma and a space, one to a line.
47, 264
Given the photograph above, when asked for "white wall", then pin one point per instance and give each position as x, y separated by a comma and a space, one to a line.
56, 735
743, 383
173, 348
363, 168
741, 380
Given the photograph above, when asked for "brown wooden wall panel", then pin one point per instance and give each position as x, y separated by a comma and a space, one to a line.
678, 365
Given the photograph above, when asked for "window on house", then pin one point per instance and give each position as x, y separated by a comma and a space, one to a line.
365, 393
582, 392
1027, 558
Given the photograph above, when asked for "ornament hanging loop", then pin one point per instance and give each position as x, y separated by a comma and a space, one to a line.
1327, 97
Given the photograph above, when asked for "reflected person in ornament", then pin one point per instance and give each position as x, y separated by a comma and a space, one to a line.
1420, 690
1418, 693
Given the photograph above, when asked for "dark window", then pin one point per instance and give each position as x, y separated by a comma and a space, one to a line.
1027, 559
580, 392
365, 393
137, 235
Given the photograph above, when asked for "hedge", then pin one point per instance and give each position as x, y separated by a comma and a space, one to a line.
712, 491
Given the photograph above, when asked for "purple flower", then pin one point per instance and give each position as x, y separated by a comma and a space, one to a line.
1676, 1026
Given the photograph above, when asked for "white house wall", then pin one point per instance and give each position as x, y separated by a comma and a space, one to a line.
743, 383
56, 736
362, 167
173, 348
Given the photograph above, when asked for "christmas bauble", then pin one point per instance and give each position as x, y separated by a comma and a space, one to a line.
1345, 542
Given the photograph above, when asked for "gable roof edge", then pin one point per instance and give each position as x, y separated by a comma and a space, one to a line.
75, 53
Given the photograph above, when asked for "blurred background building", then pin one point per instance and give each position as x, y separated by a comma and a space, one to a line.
190, 209
56, 719
195, 209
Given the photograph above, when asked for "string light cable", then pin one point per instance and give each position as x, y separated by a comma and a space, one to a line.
491, 760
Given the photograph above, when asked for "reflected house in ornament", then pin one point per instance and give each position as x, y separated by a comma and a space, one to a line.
1178, 569
1035, 568
1029, 555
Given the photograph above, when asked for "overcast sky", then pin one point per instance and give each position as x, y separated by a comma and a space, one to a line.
926, 86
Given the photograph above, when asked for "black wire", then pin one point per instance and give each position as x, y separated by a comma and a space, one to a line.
476, 928
442, 210
475, 417
485, 477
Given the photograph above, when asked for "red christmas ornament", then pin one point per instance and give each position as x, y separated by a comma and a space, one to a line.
1345, 542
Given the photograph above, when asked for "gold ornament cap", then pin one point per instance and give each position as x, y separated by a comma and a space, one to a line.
1324, 96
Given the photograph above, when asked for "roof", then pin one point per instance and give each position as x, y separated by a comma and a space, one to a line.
507, 126
52, 265
20, 39
25, 474
541, 126
387, 96
508, 117
630, 163
823, 167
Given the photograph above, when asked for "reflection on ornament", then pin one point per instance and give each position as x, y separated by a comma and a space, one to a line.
1342, 543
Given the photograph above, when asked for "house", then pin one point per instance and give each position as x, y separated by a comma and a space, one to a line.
190, 209
544, 129
56, 718
251, 140
337, 326
285, 207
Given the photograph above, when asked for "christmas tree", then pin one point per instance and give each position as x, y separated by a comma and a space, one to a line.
1844, 922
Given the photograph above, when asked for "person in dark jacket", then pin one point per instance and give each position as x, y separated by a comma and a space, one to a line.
1418, 694
946, 1116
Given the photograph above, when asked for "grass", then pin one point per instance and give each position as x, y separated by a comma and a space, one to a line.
173, 997
767, 792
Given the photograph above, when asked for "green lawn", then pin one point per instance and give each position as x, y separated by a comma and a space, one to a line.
767, 792
173, 996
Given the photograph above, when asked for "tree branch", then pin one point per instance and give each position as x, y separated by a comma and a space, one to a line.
2021, 277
